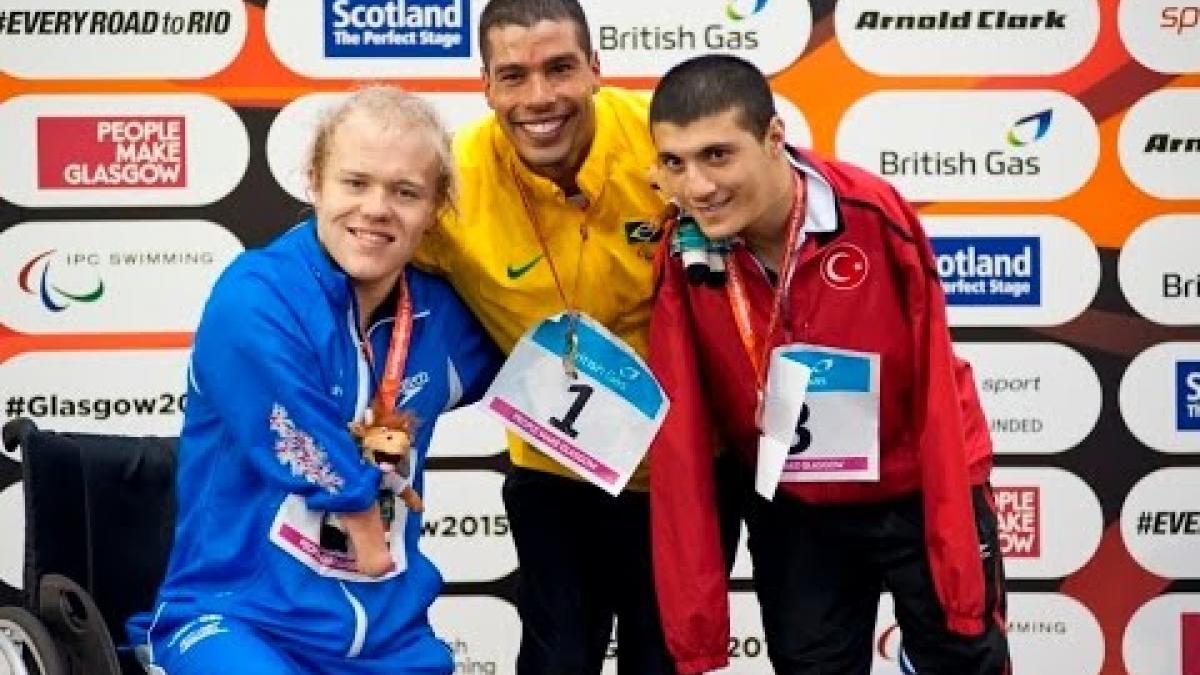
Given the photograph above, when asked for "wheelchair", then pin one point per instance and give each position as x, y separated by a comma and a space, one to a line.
99, 522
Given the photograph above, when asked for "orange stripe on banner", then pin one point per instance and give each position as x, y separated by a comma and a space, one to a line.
14, 344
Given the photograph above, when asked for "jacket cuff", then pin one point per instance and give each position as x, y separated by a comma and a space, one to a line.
702, 664
358, 494
968, 626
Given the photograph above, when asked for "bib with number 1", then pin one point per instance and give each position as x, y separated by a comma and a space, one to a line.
600, 423
837, 429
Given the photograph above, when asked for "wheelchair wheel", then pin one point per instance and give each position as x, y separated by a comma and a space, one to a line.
26, 645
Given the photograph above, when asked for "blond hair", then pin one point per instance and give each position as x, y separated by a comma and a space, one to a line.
388, 105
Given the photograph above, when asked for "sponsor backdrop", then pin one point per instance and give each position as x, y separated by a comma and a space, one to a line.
1053, 148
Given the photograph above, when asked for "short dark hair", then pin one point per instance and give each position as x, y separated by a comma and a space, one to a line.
500, 13
709, 85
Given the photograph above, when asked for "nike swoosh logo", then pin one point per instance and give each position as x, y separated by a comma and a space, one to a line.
518, 271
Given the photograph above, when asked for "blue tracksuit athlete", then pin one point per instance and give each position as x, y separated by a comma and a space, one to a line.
258, 581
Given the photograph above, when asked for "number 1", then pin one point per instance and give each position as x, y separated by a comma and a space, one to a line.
567, 423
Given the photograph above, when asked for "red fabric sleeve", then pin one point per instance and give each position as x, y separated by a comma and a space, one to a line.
939, 430
689, 566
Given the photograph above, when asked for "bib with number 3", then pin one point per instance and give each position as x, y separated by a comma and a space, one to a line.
836, 434
600, 423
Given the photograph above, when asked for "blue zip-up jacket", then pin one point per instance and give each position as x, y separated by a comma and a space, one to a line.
277, 373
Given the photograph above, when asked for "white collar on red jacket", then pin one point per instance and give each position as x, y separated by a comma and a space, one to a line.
820, 214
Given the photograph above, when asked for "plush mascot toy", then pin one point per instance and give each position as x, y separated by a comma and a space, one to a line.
386, 440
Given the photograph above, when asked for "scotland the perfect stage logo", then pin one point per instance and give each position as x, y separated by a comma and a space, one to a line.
397, 28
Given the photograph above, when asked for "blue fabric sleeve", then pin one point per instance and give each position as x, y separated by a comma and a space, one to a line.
255, 366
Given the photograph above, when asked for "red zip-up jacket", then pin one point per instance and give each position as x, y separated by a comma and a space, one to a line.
932, 433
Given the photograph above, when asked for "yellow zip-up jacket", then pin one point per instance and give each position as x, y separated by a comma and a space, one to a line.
489, 250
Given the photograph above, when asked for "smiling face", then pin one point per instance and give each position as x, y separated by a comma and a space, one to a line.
728, 179
375, 194
540, 82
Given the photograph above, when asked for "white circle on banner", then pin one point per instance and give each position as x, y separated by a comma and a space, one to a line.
1159, 143
111, 276
290, 138
1050, 521
1160, 522
1159, 269
1047, 633
1163, 636
1014, 145
1160, 397
933, 37
1013, 270
1039, 397
1163, 35
122, 39
465, 530
121, 150
469, 431
483, 633
130, 392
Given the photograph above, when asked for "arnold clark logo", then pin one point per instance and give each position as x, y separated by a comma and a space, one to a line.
397, 28
973, 145
123, 39
1039, 397
110, 276
936, 37
1049, 520
1159, 143
1159, 269
1047, 633
1160, 523
1163, 35
1160, 397
1163, 636
121, 150
994, 269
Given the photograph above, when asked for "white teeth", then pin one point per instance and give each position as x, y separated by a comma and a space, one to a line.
371, 237
543, 127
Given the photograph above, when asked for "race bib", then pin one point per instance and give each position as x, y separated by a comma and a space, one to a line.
835, 428
600, 423
318, 540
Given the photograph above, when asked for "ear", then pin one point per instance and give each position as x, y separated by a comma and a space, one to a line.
594, 65
776, 138
486, 78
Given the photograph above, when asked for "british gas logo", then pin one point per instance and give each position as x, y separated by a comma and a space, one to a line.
645, 40
995, 269
1030, 129
973, 145
54, 296
734, 13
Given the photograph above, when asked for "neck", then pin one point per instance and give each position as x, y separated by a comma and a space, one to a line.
370, 295
767, 236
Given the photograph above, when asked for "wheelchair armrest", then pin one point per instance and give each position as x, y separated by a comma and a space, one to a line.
75, 621
16, 431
